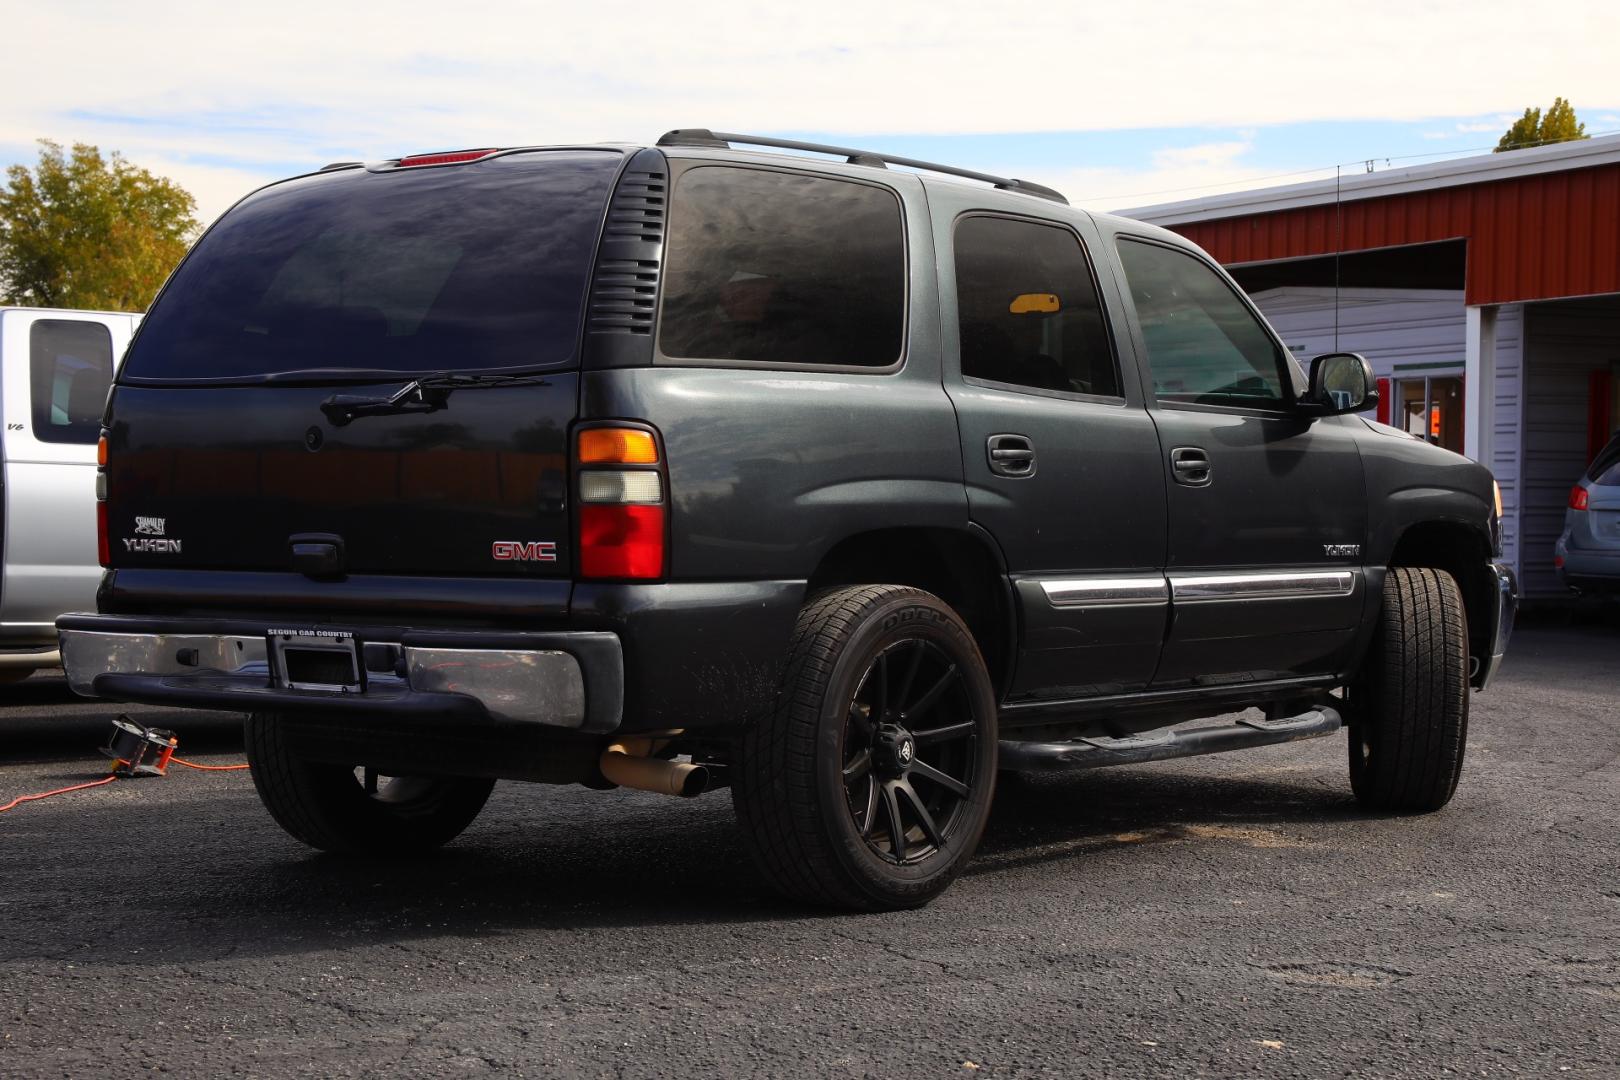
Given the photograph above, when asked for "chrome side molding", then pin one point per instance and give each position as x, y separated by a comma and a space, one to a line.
1109, 592
1129, 590
1286, 585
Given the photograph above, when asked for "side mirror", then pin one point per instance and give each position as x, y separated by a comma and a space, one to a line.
1341, 382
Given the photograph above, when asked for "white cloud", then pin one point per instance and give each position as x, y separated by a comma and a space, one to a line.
1490, 127
256, 90
1177, 173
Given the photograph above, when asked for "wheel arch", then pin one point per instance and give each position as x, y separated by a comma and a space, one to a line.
1462, 550
962, 567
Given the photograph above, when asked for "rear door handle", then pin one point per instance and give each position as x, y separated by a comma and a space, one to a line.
1011, 455
1191, 466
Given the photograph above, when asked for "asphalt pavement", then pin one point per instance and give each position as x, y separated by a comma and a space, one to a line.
1226, 916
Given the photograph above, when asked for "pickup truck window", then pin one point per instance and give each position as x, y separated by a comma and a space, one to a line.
1204, 345
1028, 310
70, 367
783, 269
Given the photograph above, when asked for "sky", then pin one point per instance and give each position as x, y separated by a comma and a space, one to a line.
1117, 105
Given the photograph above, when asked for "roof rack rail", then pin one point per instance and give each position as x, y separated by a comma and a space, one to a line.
722, 140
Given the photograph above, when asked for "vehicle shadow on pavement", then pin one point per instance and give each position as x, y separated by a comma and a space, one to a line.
1045, 818
541, 859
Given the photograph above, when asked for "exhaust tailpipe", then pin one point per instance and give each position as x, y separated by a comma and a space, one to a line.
630, 764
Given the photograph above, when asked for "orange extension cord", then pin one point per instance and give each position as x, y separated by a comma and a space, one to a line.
59, 791
19, 800
205, 768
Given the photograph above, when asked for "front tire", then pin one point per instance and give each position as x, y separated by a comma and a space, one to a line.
1409, 719
342, 808
869, 785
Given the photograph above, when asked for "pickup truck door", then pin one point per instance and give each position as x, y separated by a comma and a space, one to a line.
57, 368
1060, 458
1267, 506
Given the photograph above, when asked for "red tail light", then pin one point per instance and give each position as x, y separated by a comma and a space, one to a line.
621, 541
622, 518
1577, 498
103, 545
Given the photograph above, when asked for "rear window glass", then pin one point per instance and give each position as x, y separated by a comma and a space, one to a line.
466, 267
1605, 471
775, 268
69, 367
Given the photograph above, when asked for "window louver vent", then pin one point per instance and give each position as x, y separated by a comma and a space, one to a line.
625, 290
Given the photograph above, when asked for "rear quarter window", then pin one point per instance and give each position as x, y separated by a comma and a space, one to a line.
782, 269
70, 366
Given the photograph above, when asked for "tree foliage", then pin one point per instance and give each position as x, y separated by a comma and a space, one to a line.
81, 230
1534, 129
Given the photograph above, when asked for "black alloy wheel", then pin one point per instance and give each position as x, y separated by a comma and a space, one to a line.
869, 785
909, 762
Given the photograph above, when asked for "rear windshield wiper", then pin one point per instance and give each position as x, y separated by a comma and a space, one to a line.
428, 392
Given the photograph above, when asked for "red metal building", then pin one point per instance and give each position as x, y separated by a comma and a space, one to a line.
1486, 291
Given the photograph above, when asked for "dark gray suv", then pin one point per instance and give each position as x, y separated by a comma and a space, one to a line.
842, 485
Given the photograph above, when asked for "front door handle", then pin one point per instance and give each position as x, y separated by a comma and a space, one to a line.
1011, 455
1190, 465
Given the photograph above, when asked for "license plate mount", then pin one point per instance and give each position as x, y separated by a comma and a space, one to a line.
327, 661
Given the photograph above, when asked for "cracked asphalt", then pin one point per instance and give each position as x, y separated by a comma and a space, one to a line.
1225, 916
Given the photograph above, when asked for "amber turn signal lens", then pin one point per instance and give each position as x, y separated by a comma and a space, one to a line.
617, 446
101, 451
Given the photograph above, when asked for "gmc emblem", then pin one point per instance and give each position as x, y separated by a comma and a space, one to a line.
520, 551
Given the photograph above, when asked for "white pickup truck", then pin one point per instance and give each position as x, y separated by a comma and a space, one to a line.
55, 368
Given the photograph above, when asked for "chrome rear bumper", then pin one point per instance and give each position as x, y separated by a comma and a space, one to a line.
572, 680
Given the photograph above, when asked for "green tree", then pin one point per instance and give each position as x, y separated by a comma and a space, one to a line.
85, 231
1534, 129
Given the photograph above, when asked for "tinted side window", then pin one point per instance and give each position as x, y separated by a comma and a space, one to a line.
70, 367
1028, 310
1203, 343
769, 267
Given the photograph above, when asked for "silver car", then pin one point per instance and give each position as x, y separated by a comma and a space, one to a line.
55, 367
1588, 553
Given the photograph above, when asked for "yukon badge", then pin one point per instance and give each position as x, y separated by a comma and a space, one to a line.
146, 528
1341, 551
523, 551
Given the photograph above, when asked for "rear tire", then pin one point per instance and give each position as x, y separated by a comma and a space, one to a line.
328, 806
1409, 719
869, 785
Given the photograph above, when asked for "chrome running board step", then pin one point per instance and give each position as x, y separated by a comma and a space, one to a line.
1162, 745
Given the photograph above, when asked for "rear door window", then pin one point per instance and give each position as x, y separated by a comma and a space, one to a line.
70, 365
1028, 310
1204, 345
464, 267
782, 269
